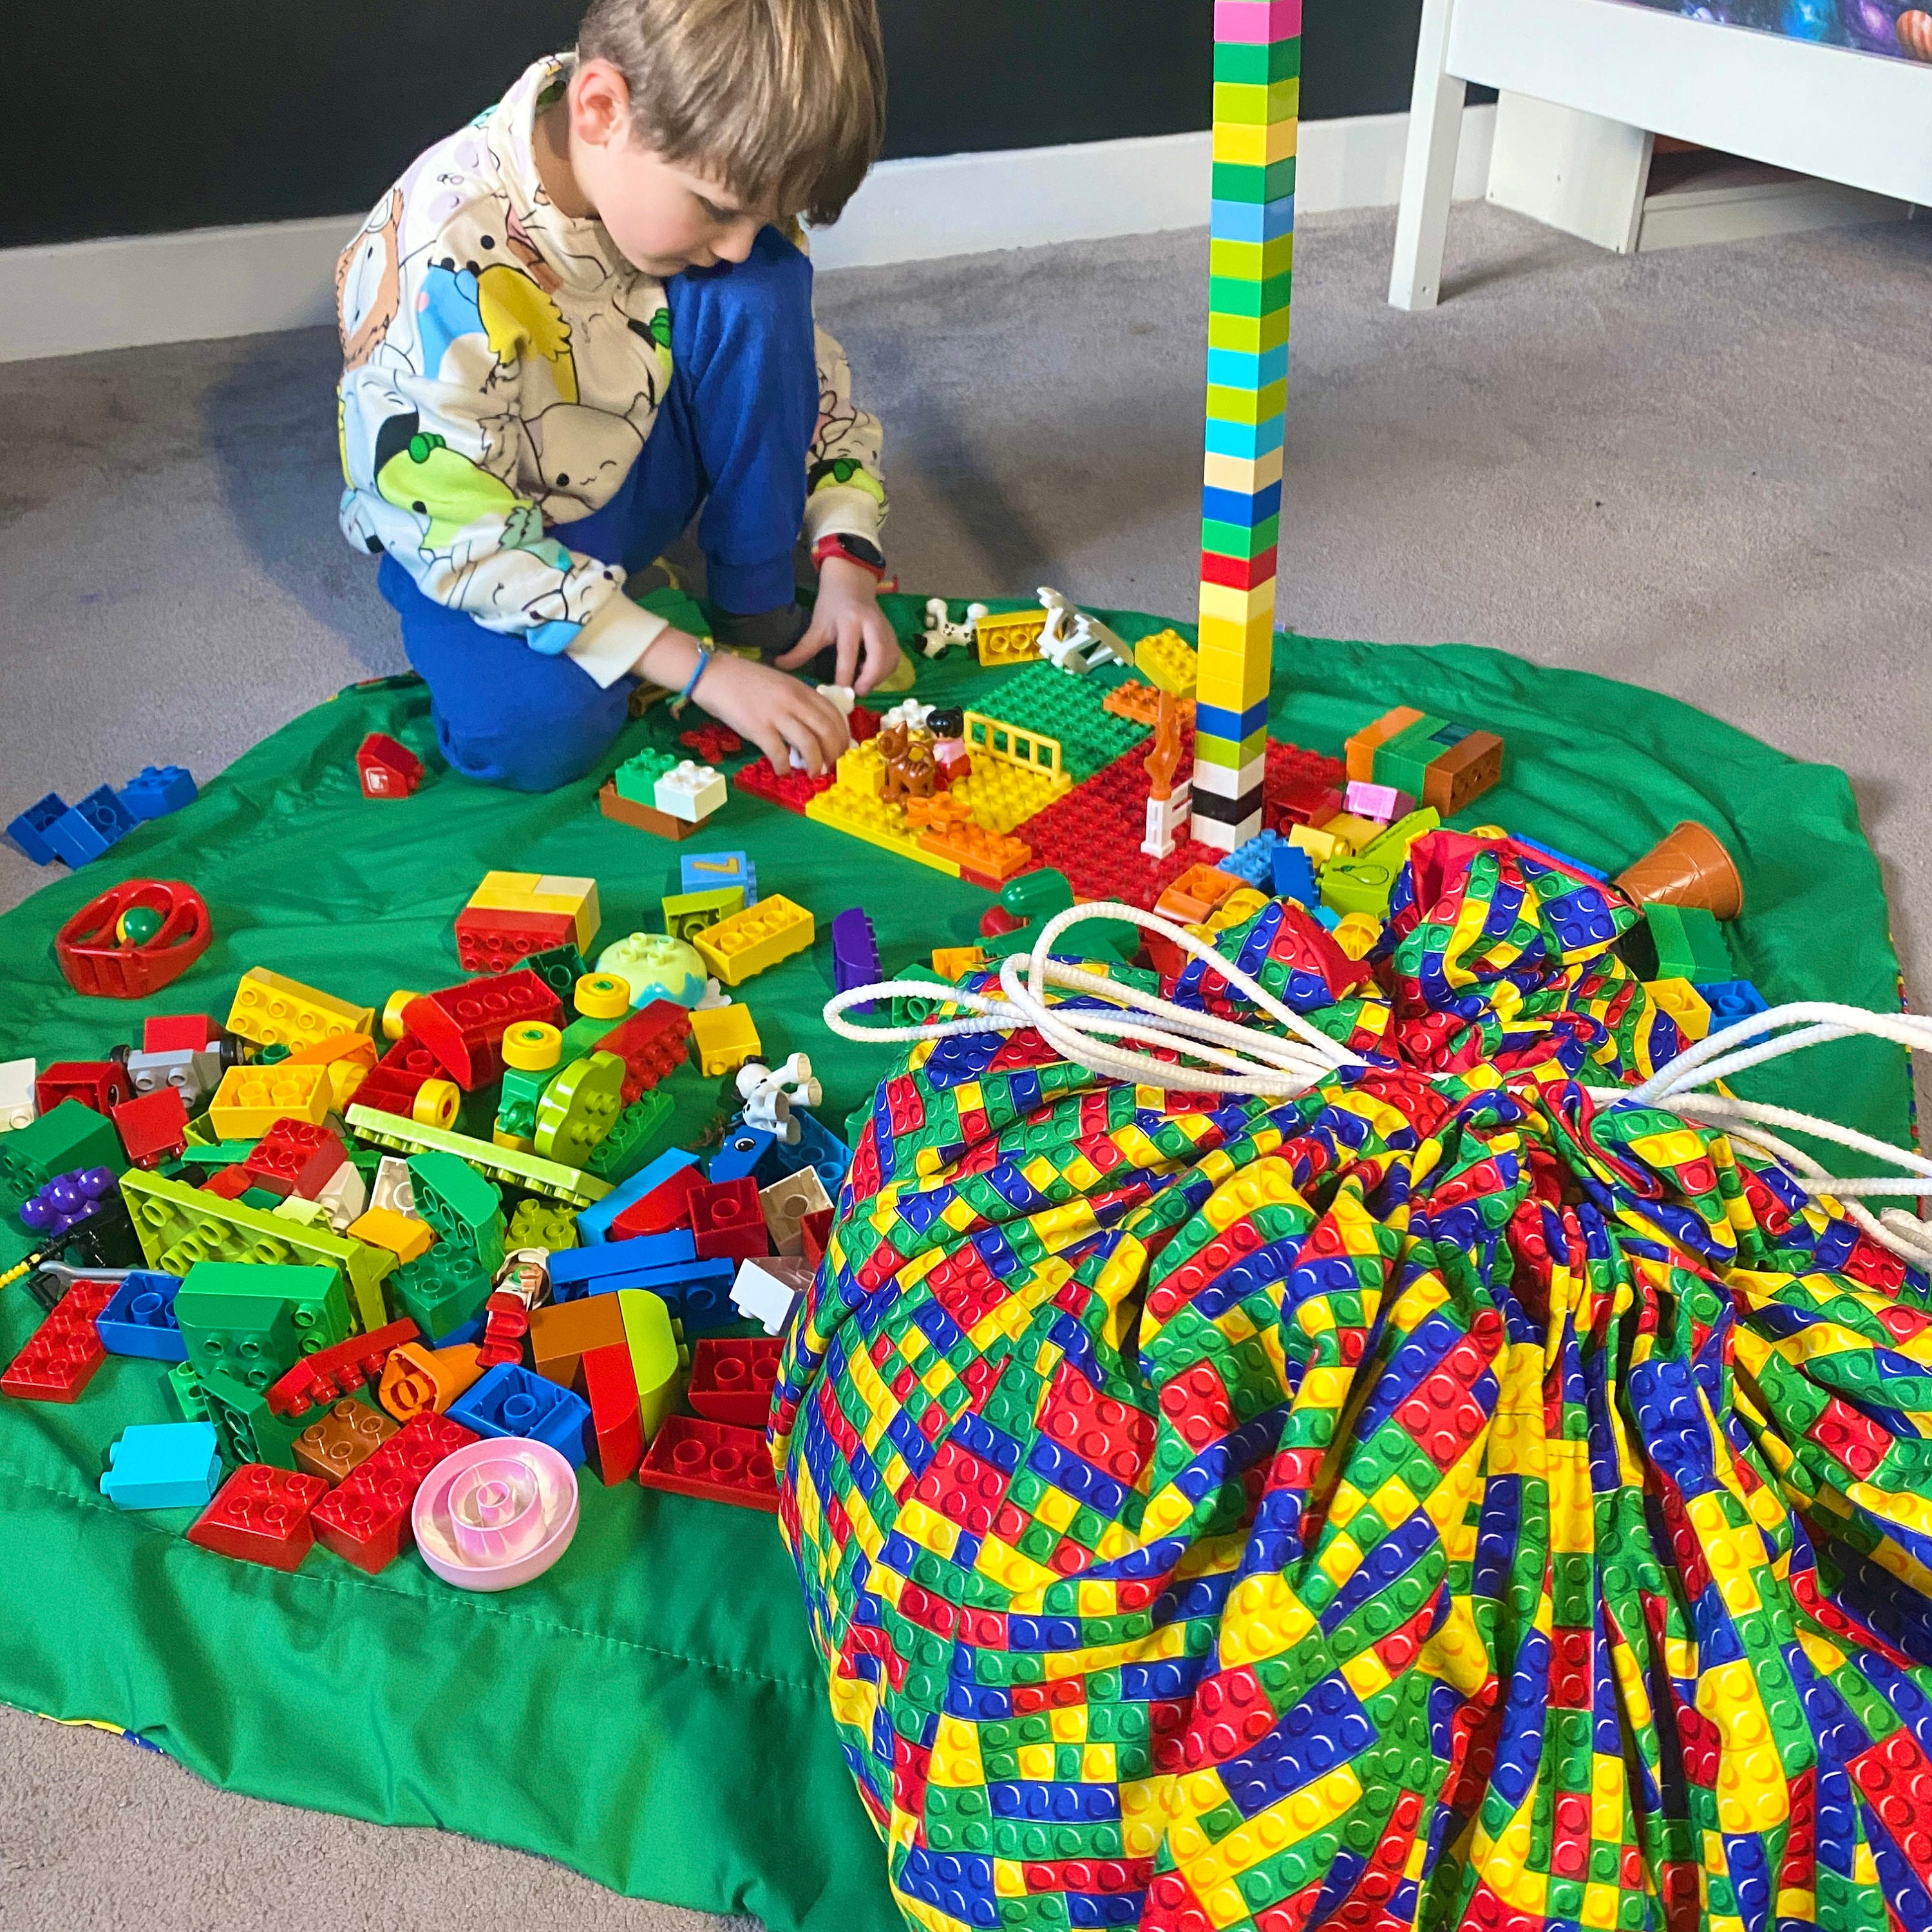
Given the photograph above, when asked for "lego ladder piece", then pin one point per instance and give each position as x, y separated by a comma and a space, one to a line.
1257, 100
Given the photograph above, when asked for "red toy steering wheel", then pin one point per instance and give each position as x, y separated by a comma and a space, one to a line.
97, 960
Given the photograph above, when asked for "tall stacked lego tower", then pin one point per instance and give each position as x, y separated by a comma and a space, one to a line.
1257, 98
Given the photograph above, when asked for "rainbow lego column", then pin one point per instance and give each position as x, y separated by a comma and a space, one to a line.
1257, 96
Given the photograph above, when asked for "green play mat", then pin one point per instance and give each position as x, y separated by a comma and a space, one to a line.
650, 1711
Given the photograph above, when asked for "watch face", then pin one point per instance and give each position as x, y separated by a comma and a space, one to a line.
860, 551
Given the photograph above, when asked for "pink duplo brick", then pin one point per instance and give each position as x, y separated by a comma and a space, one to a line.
1257, 20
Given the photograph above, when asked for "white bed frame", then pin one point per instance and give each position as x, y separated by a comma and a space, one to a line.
1862, 119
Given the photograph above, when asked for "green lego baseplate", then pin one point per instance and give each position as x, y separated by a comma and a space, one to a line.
507, 1166
178, 1225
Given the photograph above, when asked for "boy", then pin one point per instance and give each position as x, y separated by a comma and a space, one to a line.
576, 321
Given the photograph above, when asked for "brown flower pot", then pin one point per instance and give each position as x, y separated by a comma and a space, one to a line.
1690, 868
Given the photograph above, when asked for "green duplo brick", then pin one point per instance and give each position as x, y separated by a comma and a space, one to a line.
1240, 540
64, 1138
1256, 63
1243, 180
1227, 296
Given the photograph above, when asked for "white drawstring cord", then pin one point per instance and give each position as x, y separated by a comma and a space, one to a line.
1230, 1058
1249, 1061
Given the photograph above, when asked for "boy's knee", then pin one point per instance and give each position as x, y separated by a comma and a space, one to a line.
771, 288
544, 745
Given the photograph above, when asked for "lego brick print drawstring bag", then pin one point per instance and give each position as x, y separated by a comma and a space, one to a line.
1322, 1442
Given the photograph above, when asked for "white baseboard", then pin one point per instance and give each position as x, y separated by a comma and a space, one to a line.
129, 291
1688, 218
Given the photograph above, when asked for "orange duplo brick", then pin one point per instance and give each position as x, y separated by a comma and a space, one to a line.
564, 1332
1462, 774
1198, 891
991, 854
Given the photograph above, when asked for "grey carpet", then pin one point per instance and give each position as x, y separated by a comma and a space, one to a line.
1703, 471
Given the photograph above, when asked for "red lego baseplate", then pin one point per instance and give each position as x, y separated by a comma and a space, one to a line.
795, 791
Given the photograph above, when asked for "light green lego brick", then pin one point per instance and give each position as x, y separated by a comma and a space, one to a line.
633, 1138
1257, 104
1227, 404
1252, 333
1243, 180
506, 1166
178, 1226
1212, 750
1256, 63
1250, 261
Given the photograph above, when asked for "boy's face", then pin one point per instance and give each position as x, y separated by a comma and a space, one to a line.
665, 216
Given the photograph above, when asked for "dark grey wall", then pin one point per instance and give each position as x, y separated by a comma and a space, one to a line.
160, 117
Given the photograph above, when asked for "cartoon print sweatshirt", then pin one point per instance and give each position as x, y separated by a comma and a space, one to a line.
503, 364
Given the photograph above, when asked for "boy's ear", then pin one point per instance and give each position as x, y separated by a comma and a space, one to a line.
600, 103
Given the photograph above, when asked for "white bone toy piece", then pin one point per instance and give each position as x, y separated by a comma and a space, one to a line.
940, 630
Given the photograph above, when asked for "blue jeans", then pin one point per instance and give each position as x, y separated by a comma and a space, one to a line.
732, 436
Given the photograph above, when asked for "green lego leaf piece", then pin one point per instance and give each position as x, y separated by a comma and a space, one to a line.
527, 1172
634, 1139
460, 1205
64, 1138
579, 1108
178, 1226
678, 607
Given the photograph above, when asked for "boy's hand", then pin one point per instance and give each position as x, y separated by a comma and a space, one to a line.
847, 617
776, 712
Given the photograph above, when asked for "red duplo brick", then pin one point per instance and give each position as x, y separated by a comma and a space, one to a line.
177, 1032
610, 1385
102, 1084
295, 1157
714, 1460
464, 1025
395, 1080
227, 1184
732, 1378
728, 1222
386, 768
331, 1373
261, 1515
815, 1230
652, 1042
62, 1354
153, 1127
665, 1207
491, 941
365, 1518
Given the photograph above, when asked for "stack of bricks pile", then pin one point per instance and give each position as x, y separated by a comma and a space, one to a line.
1257, 91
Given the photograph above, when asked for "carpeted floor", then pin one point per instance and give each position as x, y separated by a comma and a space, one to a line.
1702, 471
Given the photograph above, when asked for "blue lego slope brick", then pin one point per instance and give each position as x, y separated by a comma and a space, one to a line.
511, 1401
28, 832
1294, 875
97, 823
140, 1320
163, 1466
593, 1223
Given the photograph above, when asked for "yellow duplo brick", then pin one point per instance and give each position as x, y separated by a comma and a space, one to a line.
1232, 684
1252, 145
725, 1038
272, 1010
759, 937
1238, 606
1258, 102
1250, 333
1246, 406
404, 1236
575, 898
1251, 261
251, 1099
1247, 475
1224, 638
955, 962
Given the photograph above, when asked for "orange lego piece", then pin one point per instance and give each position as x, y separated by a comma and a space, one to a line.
992, 855
1192, 896
1164, 761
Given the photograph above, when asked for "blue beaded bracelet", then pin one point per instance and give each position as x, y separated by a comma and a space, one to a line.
690, 684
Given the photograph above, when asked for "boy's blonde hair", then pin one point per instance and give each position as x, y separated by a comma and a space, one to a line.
783, 101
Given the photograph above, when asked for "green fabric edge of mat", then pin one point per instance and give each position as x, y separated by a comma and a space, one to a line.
651, 1713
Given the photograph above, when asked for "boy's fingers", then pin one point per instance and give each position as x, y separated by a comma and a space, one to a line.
850, 638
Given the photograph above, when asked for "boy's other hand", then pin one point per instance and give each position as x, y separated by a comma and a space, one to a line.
777, 713
846, 617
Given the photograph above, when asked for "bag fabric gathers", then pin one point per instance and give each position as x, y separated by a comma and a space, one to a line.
1439, 1500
